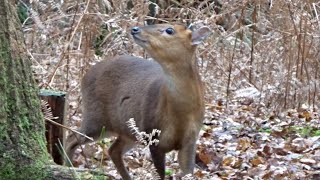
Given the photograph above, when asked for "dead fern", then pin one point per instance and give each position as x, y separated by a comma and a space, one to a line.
48, 116
47, 111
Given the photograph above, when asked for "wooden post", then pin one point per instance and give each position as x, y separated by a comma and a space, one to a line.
57, 102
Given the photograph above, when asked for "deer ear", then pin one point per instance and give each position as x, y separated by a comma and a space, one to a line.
199, 35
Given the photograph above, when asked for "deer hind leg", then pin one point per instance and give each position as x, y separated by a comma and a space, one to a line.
117, 150
72, 143
75, 140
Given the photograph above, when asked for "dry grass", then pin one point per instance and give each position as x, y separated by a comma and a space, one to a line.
272, 47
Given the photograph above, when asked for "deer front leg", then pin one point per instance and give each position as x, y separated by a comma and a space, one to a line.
186, 157
158, 157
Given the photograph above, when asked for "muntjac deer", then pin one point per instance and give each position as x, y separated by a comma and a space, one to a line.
165, 94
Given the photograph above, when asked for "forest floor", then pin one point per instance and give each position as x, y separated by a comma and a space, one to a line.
238, 142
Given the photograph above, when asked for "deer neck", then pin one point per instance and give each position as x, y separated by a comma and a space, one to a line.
182, 85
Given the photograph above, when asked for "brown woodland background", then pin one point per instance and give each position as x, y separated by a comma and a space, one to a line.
260, 68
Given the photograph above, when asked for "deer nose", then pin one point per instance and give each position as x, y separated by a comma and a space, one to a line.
135, 30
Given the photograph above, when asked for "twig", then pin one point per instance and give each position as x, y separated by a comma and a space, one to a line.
316, 13
68, 44
55, 123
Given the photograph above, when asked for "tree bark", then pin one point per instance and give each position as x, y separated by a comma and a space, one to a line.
23, 146
23, 153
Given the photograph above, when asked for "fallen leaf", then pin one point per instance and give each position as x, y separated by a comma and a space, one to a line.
244, 144
257, 160
308, 161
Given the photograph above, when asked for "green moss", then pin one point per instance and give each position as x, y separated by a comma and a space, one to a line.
23, 153
10, 169
3, 131
28, 158
40, 141
21, 163
25, 122
7, 171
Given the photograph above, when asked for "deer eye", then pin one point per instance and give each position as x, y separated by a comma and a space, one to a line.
170, 31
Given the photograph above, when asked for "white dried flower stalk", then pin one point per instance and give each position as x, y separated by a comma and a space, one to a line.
143, 137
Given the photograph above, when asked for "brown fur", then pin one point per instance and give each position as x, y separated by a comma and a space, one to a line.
166, 94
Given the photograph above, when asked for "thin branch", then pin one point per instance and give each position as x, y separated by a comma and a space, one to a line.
68, 44
81, 134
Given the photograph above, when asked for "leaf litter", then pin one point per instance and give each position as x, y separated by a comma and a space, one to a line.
238, 143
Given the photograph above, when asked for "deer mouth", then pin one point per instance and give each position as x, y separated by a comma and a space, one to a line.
140, 41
